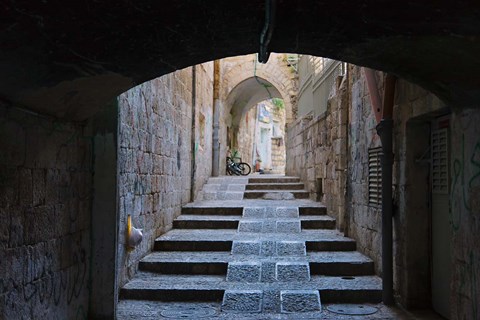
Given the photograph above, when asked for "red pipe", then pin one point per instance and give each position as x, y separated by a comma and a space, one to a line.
374, 94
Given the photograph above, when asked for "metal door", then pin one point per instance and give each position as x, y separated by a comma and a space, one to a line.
441, 227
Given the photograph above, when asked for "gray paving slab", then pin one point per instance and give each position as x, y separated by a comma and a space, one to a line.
250, 226
233, 195
200, 217
254, 212
230, 235
151, 310
269, 226
149, 281
287, 212
242, 301
236, 187
288, 226
291, 248
292, 271
244, 271
293, 301
256, 203
276, 194
268, 248
246, 248
353, 257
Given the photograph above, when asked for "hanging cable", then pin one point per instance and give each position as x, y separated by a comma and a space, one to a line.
267, 31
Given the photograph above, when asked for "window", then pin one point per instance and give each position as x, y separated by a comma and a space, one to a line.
374, 176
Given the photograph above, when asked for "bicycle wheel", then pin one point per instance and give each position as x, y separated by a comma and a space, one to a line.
245, 168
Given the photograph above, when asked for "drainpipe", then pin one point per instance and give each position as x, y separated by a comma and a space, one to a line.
374, 95
194, 151
216, 119
384, 130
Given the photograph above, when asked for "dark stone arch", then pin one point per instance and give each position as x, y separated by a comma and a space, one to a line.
68, 61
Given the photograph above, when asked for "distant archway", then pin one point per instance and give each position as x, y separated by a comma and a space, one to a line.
247, 84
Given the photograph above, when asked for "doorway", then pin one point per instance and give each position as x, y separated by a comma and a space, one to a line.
441, 225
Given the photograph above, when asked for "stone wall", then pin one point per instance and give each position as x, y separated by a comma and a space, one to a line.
465, 214
45, 203
414, 111
278, 140
155, 155
364, 220
203, 125
316, 152
246, 136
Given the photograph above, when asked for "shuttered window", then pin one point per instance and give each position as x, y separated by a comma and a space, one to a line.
440, 161
374, 176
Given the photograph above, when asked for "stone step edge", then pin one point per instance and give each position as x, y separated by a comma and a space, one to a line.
238, 211
233, 224
226, 245
339, 269
357, 295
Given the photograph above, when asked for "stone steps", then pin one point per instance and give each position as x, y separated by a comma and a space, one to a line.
226, 245
234, 211
275, 186
153, 286
324, 263
268, 179
228, 234
270, 251
236, 208
231, 222
276, 194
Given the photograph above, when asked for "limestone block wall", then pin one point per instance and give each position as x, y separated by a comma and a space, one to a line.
155, 155
316, 152
246, 136
278, 141
45, 203
465, 214
203, 125
413, 112
364, 220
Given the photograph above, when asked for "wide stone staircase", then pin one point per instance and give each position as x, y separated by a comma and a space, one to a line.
270, 252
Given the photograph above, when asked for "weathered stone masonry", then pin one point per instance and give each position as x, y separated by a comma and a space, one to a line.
155, 155
414, 111
45, 203
316, 152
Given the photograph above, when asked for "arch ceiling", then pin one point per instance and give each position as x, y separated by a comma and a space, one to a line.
70, 60
247, 94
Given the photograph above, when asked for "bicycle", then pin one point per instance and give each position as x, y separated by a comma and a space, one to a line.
237, 168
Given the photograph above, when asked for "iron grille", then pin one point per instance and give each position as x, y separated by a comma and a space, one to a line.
374, 176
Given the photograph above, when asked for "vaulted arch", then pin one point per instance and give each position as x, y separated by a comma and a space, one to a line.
70, 61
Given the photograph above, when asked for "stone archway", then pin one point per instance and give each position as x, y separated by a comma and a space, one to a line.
246, 74
244, 83
69, 62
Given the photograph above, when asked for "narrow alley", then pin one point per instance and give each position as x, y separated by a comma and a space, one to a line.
259, 159
263, 258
